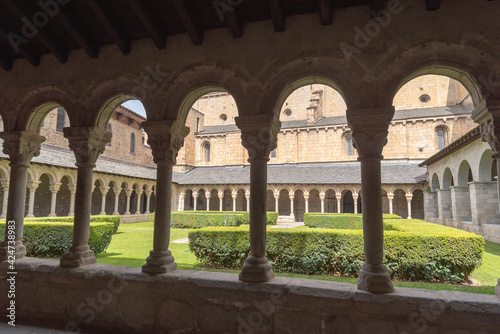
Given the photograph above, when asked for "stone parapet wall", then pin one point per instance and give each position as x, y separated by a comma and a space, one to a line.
444, 205
103, 297
430, 206
460, 202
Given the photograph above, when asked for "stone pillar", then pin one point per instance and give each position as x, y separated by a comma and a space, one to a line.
195, 202
54, 189
32, 186
355, 200
322, 198
259, 135
5, 186
148, 198
128, 193
247, 197
444, 206
21, 147
484, 209
409, 197
460, 204
116, 191
390, 198
276, 195
139, 195
166, 137
208, 196
306, 200
87, 143
182, 196
292, 197
104, 192
430, 206
339, 198
234, 195
369, 131
221, 200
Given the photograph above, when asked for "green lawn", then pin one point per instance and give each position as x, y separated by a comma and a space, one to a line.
131, 246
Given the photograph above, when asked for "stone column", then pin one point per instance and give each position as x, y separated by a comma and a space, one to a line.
128, 193
208, 196
460, 204
138, 206
247, 196
32, 186
234, 195
444, 205
369, 131
276, 195
322, 198
104, 192
484, 209
390, 198
116, 191
148, 198
431, 207
292, 197
355, 197
221, 200
5, 186
259, 135
87, 143
195, 196
21, 147
54, 189
409, 197
339, 198
166, 137
306, 200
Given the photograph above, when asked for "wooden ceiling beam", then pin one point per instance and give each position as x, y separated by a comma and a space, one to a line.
277, 14
377, 7
145, 14
78, 33
42, 35
234, 23
23, 49
325, 12
190, 25
432, 5
110, 23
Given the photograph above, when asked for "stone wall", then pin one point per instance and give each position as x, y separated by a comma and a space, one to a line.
98, 298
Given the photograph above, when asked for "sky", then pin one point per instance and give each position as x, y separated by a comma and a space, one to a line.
136, 106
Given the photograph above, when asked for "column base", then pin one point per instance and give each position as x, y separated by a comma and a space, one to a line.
159, 262
102, 213
78, 256
116, 213
29, 215
19, 250
52, 215
497, 288
375, 279
256, 269
4, 215
127, 213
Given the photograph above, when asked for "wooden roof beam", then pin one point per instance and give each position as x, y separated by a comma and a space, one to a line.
377, 7
187, 20
79, 34
22, 48
277, 14
432, 5
145, 14
43, 36
110, 23
234, 23
325, 12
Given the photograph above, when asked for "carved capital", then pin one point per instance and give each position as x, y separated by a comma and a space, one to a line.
87, 143
166, 138
259, 134
21, 146
370, 129
54, 187
490, 133
390, 196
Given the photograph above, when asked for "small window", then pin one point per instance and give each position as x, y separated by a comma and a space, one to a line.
288, 112
110, 130
61, 118
424, 98
132, 143
442, 140
350, 149
273, 154
223, 117
197, 124
206, 152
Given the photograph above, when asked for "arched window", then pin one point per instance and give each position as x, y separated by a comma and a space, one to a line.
61, 118
110, 130
273, 154
132, 143
349, 146
206, 152
442, 137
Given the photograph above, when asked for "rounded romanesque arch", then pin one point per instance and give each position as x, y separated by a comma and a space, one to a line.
447, 179
435, 182
465, 174
485, 166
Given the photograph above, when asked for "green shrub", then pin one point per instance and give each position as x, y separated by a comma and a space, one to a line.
188, 219
272, 218
417, 251
349, 221
53, 239
97, 219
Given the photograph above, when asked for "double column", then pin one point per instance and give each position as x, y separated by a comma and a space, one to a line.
166, 137
21, 147
258, 136
87, 143
369, 130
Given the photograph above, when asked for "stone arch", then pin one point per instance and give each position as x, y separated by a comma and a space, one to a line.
464, 174
447, 179
330, 201
205, 151
485, 166
399, 203
63, 196
241, 201
284, 202
417, 204
43, 195
271, 204
435, 182
299, 205
214, 200
314, 200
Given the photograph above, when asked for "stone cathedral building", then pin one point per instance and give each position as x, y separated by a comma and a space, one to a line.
313, 169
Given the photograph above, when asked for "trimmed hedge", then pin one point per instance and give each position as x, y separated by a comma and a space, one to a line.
52, 239
93, 219
349, 221
418, 251
199, 219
